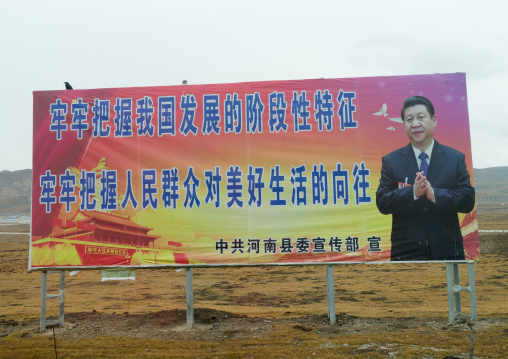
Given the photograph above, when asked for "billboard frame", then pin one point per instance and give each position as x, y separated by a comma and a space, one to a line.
454, 290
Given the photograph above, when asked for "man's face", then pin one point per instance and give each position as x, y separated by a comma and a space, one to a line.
419, 126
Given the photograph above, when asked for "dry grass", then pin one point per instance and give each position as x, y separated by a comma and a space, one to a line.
389, 310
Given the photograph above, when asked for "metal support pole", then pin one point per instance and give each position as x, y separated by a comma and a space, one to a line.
449, 283
472, 291
44, 287
190, 298
456, 284
61, 304
330, 293
454, 290
45, 296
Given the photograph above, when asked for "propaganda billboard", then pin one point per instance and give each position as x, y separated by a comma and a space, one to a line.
275, 172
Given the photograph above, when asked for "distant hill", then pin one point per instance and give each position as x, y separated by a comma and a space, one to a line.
15, 192
491, 184
15, 188
15, 183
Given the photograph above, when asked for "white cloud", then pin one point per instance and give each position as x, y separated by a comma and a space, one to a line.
97, 44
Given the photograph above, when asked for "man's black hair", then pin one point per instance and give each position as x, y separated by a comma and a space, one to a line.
417, 100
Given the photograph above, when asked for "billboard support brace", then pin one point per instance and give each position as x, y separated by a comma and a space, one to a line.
452, 279
190, 298
454, 290
45, 296
330, 293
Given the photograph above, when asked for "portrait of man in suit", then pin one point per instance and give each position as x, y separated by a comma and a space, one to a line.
423, 186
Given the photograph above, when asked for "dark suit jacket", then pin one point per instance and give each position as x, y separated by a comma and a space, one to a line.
422, 229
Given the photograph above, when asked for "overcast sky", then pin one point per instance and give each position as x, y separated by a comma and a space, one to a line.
98, 44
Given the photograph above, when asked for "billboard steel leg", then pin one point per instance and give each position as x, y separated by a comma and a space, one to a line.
190, 298
44, 287
454, 290
456, 282
330, 294
449, 284
45, 296
61, 304
472, 291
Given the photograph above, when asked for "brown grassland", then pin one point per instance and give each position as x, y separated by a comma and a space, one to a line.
383, 311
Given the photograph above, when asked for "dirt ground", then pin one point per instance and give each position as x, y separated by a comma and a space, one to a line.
383, 311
